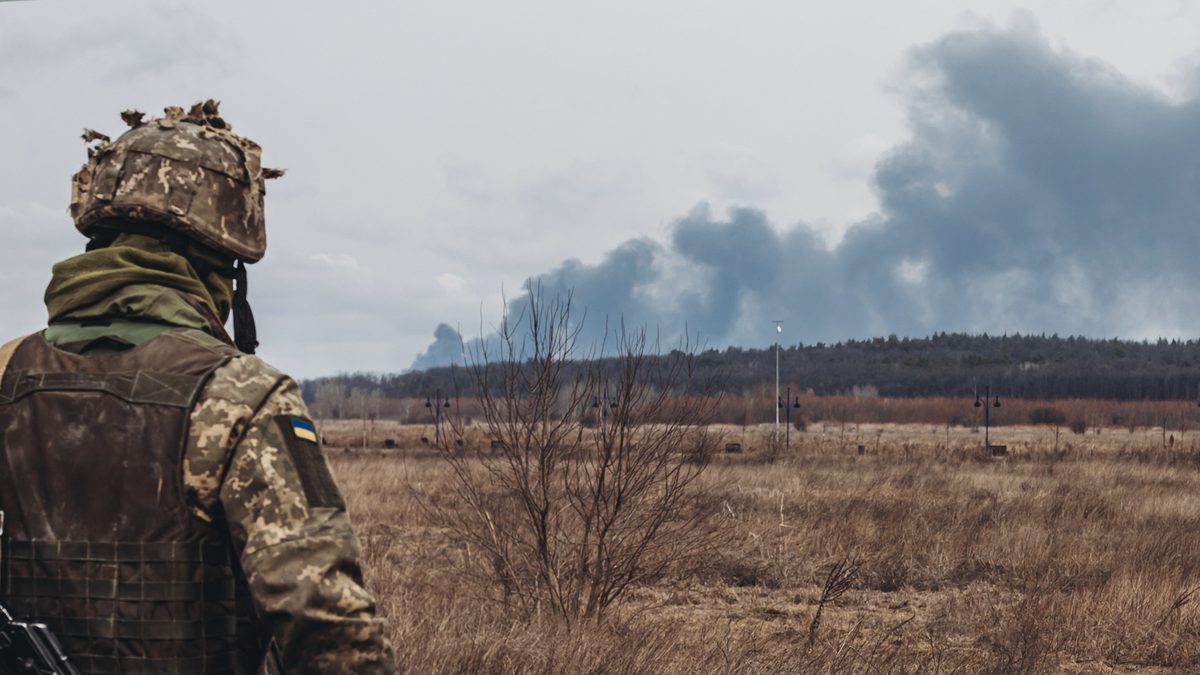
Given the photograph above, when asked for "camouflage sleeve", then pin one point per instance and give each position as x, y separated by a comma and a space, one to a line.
298, 549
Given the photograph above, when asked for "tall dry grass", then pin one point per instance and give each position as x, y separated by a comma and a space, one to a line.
1070, 554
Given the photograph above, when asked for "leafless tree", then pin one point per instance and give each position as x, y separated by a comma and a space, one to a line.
329, 400
365, 403
591, 484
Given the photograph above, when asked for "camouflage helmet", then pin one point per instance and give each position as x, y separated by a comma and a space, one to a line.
187, 171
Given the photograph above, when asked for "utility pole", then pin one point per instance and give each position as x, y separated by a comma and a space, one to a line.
778, 331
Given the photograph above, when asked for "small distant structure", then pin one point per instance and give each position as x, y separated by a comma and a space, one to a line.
733, 447
999, 450
987, 403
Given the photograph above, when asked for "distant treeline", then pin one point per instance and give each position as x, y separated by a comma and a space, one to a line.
946, 364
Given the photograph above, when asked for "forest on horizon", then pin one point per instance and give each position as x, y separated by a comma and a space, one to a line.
1036, 367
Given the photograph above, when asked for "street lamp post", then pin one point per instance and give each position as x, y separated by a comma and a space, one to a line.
435, 408
789, 404
604, 403
778, 331
987, 404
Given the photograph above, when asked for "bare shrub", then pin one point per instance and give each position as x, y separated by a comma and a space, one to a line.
591, 489
1047, 415
840, 579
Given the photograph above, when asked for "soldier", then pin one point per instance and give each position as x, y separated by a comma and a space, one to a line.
167, 505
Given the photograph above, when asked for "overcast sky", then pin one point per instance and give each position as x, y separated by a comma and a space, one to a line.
856, 168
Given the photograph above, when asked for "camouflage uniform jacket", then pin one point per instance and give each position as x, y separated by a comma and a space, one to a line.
300, 557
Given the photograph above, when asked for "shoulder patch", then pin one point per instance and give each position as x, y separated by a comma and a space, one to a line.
303, 429
300, 436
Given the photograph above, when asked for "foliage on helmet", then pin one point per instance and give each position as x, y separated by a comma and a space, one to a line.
186, 170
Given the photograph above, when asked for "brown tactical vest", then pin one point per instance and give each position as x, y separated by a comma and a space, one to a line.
99, 543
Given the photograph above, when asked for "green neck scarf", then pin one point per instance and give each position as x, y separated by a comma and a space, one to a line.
137, 277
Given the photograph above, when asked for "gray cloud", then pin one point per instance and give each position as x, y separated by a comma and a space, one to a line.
31, 231
164, 37
1040, 191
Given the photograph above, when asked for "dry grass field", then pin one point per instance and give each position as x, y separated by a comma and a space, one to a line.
1075, 553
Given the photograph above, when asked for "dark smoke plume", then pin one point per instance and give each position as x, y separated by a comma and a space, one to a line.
447, 349
1040, 192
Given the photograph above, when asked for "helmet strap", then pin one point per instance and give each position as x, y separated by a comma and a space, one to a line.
245, 334
101, 239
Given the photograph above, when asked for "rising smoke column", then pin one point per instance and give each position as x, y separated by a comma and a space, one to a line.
1040, 191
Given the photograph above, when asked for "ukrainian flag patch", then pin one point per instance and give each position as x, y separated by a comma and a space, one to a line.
320, 490
303, 429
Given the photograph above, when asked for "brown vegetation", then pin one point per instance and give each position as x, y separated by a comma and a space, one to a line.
922, 554
753, 409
